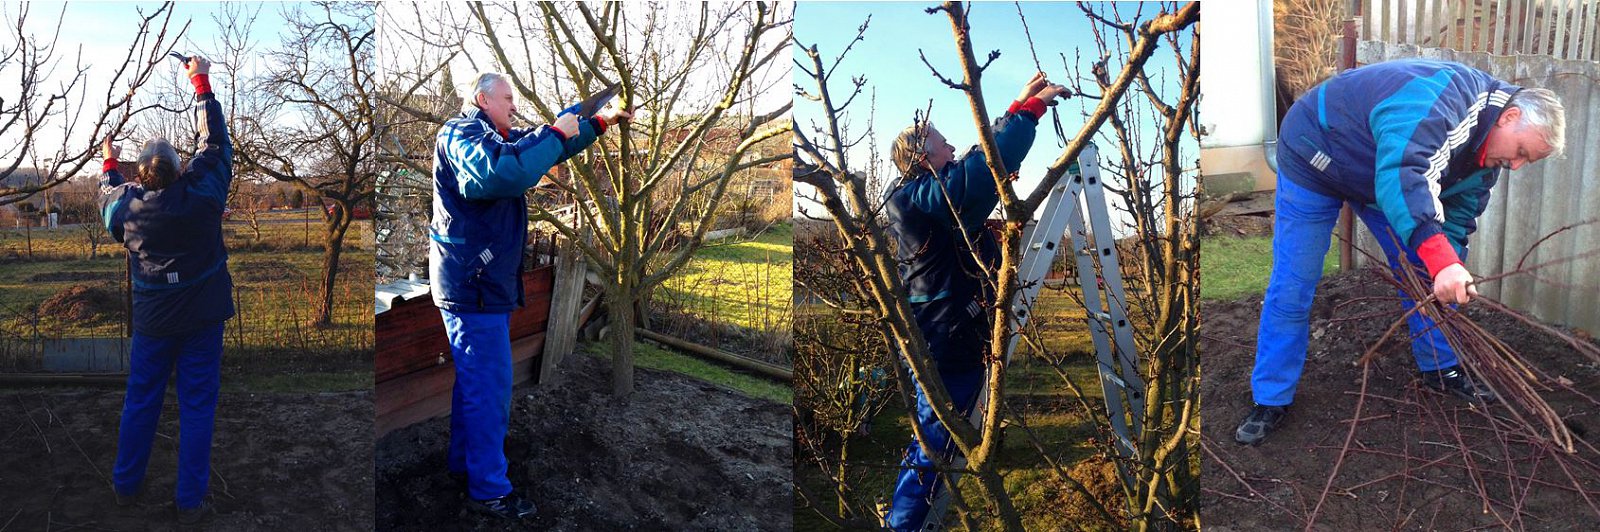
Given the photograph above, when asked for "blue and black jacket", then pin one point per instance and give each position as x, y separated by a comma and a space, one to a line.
944, 281
480, 215
174, 235
1404, 137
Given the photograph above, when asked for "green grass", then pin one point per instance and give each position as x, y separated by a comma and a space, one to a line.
1231, 267
303, 382
646, 355
747, 283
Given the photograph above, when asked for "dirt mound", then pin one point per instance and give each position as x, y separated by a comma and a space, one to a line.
1418, 459
681, 455
266, 271
1241, 225
72, 276
279, 461
85, 303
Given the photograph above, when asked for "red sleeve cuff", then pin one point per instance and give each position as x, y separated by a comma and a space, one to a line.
202, 84
1034, 106
1437, 254
558, 133
109, 165
599, 125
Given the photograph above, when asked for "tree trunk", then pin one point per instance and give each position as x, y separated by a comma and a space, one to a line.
620, 309
338, 225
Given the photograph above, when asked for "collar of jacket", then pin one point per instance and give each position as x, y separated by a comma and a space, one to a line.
1487, 117
472, 111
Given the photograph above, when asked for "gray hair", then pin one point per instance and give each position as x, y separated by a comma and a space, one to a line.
483, 84
158, 164
910, 150
1542, 109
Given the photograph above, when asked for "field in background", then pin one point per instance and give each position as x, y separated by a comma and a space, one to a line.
60, 292
735, 295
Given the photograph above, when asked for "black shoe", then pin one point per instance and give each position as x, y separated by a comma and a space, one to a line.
1458, 383
1261, 422
127, 499
507, 507
194, 516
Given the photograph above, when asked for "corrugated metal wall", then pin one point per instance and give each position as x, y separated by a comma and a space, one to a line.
1539, 199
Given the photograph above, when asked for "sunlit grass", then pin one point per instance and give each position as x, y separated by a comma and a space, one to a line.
1234, 267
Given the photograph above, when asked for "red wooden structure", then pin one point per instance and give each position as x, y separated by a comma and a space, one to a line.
413, 370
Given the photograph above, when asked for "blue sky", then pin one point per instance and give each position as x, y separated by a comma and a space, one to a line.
889, 58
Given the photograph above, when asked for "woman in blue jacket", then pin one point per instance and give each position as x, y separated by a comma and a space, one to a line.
170, 219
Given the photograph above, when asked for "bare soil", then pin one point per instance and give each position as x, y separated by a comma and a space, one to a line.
85, 303
1242, 225
682, 454
1418, 460
280, 461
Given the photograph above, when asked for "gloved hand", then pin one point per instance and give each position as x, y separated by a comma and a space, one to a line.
1454, 285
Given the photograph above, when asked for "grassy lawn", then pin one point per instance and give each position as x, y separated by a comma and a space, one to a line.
276, 294
742, 284
1232, 267
647, 355
745, 283
1035, 393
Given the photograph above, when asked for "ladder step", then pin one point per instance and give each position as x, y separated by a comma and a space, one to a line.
1114, 379
1126, 444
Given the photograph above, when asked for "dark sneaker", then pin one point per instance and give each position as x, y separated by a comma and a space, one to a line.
507, 507
1261, 422
194, 516
1456, 382
127, 499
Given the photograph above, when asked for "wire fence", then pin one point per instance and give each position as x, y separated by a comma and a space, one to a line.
64, 294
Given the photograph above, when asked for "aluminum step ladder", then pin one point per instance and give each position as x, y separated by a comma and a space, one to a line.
1115, 354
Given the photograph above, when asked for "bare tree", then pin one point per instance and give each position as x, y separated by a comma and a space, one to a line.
844, 193
55, 99
320, 82
645, 196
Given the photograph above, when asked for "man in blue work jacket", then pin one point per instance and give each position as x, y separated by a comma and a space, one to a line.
170, 219
481, 169
1414, 146
937, 212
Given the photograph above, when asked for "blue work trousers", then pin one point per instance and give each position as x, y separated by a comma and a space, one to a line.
197, 358
919, 484
480, 404
1300, 239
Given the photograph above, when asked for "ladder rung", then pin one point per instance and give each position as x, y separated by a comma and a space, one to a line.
1115, 379
1126, 444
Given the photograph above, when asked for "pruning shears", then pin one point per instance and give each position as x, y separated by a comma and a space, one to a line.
180, 57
